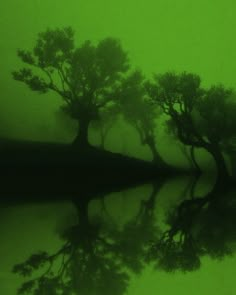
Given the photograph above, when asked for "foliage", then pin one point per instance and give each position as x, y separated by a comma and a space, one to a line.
215, 111
136, 108
84, 77
197, 227
177, 95
107, 118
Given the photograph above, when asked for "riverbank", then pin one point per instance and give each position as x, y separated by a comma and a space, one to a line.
43, 170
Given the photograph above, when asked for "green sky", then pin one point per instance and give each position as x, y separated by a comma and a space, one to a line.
160, 35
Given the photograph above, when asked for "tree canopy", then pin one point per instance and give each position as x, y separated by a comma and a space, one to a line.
201, 117
96, 85
83, 76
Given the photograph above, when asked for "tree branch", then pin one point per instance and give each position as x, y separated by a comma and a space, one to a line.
51, 85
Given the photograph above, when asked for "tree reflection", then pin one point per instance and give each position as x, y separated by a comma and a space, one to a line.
94, 259
86, 263
133, 240
97, 257
197, 227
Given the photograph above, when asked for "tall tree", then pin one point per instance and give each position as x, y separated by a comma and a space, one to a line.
200, 115
86, 263
187, 151
217, 119
196, 230
138, 111
84, 77
109, 115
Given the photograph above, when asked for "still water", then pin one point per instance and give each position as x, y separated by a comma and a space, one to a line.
169, 237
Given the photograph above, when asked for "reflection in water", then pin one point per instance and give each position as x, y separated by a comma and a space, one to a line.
97, 255
198, 226
86, 263
95, 258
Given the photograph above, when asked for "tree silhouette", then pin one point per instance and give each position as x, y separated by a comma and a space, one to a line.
216, 121
106, 121
133, 240
95, 255
138, 111
220, 123
200, 115
197, 227
84, 77
187, 151
85, 264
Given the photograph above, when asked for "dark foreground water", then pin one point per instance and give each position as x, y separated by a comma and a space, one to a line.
172, 237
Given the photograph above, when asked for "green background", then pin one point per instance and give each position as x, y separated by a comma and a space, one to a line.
184, 35
160, 35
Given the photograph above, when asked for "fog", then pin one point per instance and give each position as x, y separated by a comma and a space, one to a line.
158, 35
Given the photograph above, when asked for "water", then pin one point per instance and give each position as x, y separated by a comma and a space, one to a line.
115, 244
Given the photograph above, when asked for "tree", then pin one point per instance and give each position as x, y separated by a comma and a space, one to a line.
86, 263
109, 115
197, 227
133, 240
84, 77
95, 254
198, 114
215, 119
138, 111
187, 151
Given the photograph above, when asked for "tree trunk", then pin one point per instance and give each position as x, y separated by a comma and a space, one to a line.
147, 207
189, 152
156, 187
222, 171
82, 210
157, 159
193, 158
185, 151
81, 139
